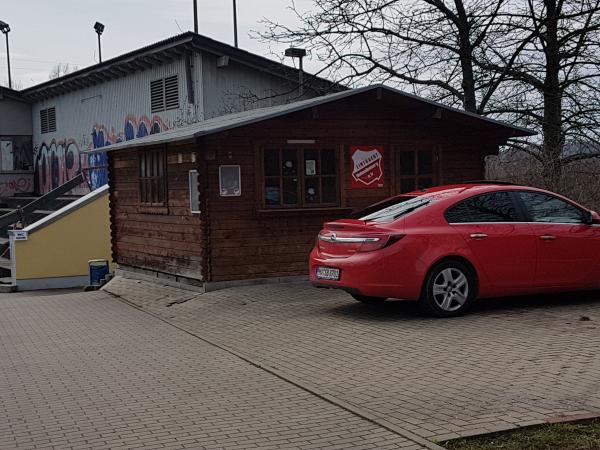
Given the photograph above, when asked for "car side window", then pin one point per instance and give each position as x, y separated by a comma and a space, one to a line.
493, 207
547, 208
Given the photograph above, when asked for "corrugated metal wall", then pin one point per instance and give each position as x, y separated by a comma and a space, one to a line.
97, 116
119, 110
237, 87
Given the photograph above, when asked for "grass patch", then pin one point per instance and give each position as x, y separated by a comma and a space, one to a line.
560, 436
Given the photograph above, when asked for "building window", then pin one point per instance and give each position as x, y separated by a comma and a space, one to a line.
300, 178
164, 94
416, 169
48, 120
230, 181
152, 177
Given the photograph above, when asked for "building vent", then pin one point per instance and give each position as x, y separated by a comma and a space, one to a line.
164, 94
171, 93
48, 120
157, 97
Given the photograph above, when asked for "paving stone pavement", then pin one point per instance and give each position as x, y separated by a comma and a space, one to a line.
86, 370
511, 363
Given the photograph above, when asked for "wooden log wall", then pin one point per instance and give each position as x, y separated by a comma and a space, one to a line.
236, 238
170, 241
246, 241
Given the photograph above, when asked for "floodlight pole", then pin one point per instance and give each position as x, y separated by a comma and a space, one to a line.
99, 28
5, 29
235, 24
99, 50
8, 62
299, 53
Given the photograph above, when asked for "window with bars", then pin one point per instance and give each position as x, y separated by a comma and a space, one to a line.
164, 94
300, 178
152, 171
48, 120
416, 170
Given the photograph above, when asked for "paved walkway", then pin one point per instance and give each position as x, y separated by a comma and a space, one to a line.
89, 371
511, 363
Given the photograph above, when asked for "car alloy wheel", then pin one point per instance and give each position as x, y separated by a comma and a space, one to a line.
451, 289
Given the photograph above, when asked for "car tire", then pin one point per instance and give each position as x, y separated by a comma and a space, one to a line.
368, 300
449, 289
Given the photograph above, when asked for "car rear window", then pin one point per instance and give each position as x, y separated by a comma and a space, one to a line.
400, 207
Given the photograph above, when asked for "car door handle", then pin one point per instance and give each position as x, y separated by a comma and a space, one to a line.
547, 237
478, 236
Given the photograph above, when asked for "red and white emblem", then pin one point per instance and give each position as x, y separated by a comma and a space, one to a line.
367, 167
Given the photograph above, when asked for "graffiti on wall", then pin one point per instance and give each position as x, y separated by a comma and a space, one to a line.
58, 161
14, 183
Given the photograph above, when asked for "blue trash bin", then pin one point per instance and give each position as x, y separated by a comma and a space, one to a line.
98, 270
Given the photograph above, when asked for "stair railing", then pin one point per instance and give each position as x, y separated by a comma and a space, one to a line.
20, 214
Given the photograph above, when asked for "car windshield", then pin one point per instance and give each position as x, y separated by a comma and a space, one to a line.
400, 207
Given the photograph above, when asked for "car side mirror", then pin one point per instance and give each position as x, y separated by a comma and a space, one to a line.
594, 218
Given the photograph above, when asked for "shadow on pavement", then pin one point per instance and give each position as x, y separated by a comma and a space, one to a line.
409, 310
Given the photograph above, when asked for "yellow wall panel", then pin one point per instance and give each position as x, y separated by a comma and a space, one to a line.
63, 248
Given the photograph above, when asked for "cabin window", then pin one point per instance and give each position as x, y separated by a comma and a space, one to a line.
416, 170
193, 181
48, 120
153, 189
164, 94
300, 178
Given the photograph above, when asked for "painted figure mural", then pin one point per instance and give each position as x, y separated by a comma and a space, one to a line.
60, 160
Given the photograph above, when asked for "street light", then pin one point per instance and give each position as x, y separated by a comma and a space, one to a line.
235, 25
299, 53
99, 29
5, 28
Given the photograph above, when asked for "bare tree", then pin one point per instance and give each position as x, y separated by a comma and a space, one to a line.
533, 62
555, 78
60, 70
427, 45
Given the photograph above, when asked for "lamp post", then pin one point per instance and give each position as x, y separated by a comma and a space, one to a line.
99, 29
299, 53
5, 28
235, 24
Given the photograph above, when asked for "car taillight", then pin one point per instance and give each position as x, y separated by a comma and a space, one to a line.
378, 242
361, 242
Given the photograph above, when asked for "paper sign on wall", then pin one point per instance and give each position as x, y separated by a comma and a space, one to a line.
367, 167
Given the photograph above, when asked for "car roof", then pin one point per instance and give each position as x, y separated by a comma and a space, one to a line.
452, 192
469, 187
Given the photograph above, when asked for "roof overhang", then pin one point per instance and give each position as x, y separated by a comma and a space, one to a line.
11, 94
245, 118
161, 53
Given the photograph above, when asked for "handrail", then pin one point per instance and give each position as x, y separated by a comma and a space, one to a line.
40, 203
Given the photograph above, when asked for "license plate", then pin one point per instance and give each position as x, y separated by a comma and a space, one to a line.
328, 273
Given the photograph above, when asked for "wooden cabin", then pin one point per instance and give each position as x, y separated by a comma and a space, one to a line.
241, 198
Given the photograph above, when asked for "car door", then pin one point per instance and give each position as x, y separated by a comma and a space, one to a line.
567, 245
499, 240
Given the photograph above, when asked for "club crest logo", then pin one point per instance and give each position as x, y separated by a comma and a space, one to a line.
367, 167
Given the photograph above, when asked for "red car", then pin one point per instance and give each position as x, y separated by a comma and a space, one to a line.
448, 245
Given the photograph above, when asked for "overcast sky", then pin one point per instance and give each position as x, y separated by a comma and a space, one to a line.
47, 32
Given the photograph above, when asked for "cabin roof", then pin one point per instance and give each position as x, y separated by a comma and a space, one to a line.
232, 121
